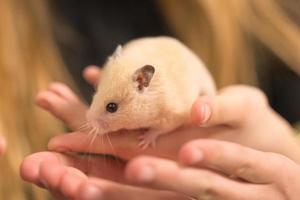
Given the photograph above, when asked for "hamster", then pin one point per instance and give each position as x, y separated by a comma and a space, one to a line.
149, 83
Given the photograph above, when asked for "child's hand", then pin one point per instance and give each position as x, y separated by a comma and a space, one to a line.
211, 169
206, 169
69, 177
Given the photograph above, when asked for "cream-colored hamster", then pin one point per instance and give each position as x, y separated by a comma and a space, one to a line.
149, 83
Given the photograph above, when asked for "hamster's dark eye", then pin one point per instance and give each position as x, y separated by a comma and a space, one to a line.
111, 107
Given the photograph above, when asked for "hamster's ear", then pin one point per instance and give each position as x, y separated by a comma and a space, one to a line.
143, 76
117, 52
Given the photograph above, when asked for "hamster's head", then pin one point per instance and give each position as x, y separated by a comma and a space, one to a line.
124, 100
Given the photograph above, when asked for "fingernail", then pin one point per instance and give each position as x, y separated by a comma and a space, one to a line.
146, 174
91, 192
204, 112
195, 156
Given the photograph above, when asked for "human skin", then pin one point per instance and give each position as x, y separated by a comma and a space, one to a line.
251, 122
2, 145
264, 175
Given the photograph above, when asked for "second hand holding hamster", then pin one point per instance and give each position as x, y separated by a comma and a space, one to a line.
150, 83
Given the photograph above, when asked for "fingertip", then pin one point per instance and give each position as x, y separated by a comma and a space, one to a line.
201, 112
91, 71
139, 170
68, 141
90, 68
89, 191
41, 99
132, 168
56, 144
92, 74
63, 91
190, 155
60, 89
30, 166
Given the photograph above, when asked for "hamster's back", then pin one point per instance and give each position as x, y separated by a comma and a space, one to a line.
179, 73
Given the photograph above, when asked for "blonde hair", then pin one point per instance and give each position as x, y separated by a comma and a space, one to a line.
223, 33
29, 61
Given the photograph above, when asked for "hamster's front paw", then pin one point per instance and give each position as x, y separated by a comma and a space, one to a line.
147, 139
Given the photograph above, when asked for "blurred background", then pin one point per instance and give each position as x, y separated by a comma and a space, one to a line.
254, 42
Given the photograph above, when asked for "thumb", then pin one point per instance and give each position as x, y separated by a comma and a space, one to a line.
230, 106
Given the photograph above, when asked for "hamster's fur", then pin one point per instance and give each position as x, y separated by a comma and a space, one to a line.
154, 82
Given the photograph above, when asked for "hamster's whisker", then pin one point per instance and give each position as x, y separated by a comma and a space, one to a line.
94, 135
102, 143
109, 141
113, 150
84, 126
94, 130
91, 131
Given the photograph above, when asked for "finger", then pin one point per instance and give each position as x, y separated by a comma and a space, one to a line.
71, 182
46, 161
84, 142
124, 144
101, 189
63, 91
233, 159
2, 145
92, 74
61, 180
230, 107
121, 144
31, 165
51, 174
196, 183
71, 111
